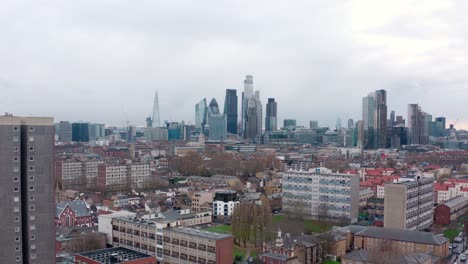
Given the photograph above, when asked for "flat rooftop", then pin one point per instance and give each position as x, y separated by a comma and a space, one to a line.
114, 255
200, 233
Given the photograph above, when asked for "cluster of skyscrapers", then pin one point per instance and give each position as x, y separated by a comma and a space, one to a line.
217, 126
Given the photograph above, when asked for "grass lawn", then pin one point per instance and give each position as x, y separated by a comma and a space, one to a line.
309, 225
451, 234
331, 262
223, 229
239, 252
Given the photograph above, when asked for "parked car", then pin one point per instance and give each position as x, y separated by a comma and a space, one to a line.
462, 257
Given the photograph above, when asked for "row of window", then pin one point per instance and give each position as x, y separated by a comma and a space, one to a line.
16, 128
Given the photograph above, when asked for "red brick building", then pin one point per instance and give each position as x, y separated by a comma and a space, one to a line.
72, 213
451, 211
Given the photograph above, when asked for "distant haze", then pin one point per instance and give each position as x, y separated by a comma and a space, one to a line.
101, 61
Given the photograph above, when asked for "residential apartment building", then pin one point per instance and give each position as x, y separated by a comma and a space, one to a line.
77, 173
224, 203
409, 205
122, 176
450, 189
321, 193
27, 155
201, 200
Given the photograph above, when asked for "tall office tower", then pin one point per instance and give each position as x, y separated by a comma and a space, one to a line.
271, 118
368, 109
392, 118
440, 126
320, 193
80, 132
230, 110
259, 113
380, 120
246, 96
350, 123
251, 122
418, 125
409, 205
27, 188
156, 122
65, 131
399, 121
217, 122
131, 134
201, 112
96, 131
313, 124
338, 125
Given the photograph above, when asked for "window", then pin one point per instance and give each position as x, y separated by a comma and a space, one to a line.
15, 179
17, 239
33, 237
33, 246
15, 149
17, 248
32, 227
16, 189
31, 138
15, 169
16, 199
15, 159
31, 128
33, 256
31, 178
31, 168
31, 198
31, 158
17, 229
31, 148
17, 219
32, 217
18, 259
31, 208
15, 128
31, 188
16, 209
15, 139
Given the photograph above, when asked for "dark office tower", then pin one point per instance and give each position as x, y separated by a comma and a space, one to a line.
80, 132
367, 130
380, 119
271, 119
27, 190
65, 131
440, 126
230, 110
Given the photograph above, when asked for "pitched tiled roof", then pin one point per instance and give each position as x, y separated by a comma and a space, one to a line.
403, 235
77, 206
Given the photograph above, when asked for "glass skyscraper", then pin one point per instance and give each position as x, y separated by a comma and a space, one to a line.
230, 110
201, 112
271, 121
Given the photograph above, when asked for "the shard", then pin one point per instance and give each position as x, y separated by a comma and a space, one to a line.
156, 120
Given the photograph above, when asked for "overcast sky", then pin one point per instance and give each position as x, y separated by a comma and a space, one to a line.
101, 61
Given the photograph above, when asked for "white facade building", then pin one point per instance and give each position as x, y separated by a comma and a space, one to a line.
321, 193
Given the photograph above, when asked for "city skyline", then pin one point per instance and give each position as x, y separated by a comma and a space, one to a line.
414, 52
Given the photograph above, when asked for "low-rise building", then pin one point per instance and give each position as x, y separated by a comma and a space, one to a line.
200, 200
451, 211
72, 213
401, 241
188, 245
78, 239
114, 255
365, 256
